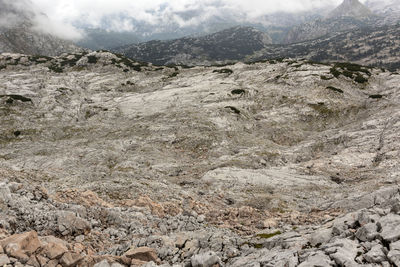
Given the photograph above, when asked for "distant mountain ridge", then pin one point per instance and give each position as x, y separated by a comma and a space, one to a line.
351, 8
230, 44
378, 46
351, 14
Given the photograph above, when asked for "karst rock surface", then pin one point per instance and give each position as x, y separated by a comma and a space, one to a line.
109, 162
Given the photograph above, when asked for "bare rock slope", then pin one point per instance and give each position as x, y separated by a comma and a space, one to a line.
108, 161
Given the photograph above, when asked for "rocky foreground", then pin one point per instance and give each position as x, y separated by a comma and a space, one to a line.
109, 162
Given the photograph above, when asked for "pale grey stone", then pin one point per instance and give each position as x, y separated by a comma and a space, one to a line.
376, 254
320, 237
367, 232
207, 259
4, 260
394, 253
103, 263
390, 225
318, 259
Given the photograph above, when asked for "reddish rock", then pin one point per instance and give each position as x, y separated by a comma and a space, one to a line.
33, 261
27, 242
137, 263
42, 260
52, 263
143, 253
54, 250
21, 246
70, 259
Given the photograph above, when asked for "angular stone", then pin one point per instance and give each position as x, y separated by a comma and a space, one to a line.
138, 263
376, 254
70, 259
317, 259
143, 254
28, 242
368, 232
69, 223
5, 193
320, 237
4, 260
343, 252
390, 225
54, 250
103, 263
180, 241
33, 261
207, 259
20, 246
42, 260
52, 263
394, 253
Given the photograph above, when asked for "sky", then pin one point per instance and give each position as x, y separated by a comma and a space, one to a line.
66, 16
91, 13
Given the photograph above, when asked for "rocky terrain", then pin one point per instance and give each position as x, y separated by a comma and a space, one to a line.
368, 46
230, 44
389, 10
110, 162
351, 14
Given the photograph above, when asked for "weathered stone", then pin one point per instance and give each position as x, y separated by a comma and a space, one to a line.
320, 237
54, 250
103, 263
5, 193
142, 253
136, 262
207, 259
33, 261
270, 223
317, 259
390, 225
42, 260
20, 246
69, 223
368, 232
4, 260
394, 253
343, 252
51, 263
70, 259
376, 254
180, 241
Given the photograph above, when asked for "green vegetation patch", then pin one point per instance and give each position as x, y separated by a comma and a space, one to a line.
56, 68
335, 72
227, 71
376, 96
267, 236
323, 77
21, 98
360, 79
71, 61
238, 92
92, 59
352, 71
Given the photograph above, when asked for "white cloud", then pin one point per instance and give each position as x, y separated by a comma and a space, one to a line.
65, 13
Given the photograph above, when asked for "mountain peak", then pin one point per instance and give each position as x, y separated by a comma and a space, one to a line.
351, 8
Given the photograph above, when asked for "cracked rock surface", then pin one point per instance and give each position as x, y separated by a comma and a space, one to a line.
110, 162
